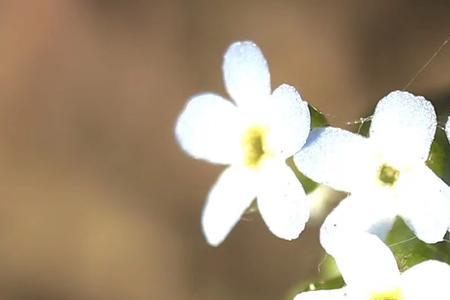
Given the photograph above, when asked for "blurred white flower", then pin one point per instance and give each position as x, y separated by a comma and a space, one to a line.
385, 174
321, 199
254, 135
447, 128
370, 272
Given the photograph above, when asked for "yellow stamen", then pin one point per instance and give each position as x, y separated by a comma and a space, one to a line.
388, 175
254, 145
391, 295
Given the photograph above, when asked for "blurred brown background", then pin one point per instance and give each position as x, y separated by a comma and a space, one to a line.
96, 199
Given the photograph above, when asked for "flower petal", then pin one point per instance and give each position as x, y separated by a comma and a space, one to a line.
447, 128
337, 294
282, 201
335, 157
427, 280
246, 73
367, 264
228, 199
404, 125
424, 203
208, 128
289, 121
354, 215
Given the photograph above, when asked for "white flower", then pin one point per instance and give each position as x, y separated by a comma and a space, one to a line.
385, 174
254, 135
370, 272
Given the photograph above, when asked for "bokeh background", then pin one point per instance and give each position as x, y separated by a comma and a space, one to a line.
97, 201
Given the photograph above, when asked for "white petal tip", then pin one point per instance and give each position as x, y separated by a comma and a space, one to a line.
298, 297
290, 231
404, 126
213, 241
447, 128
282, 202
241, 45
228, 199
289, 235
213, 232
206, 128
432, 236
246, 73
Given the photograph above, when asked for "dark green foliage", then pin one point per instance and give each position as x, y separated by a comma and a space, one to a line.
439, 158
409, 251
318, 119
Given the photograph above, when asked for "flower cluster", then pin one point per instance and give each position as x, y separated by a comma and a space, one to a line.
385, 175
370, 272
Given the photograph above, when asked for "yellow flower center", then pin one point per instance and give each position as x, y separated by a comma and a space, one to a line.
391, 295
254, 144
388, 175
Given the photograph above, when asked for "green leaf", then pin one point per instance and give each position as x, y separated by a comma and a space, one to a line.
439, 158
318, 119
409, 250
364, 126
308, 184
